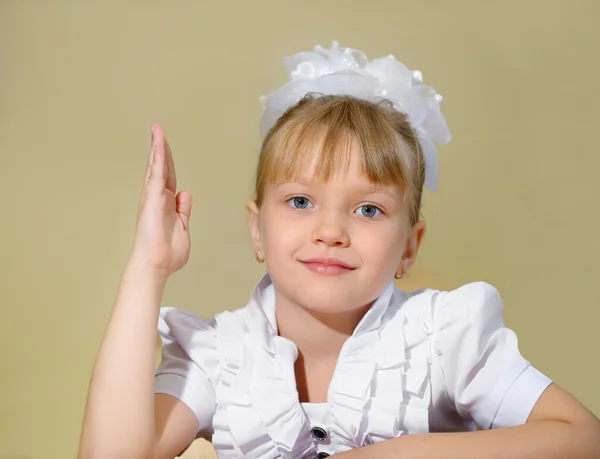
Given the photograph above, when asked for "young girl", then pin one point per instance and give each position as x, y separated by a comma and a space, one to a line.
328, 357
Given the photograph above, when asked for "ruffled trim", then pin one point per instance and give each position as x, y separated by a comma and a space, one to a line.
381, 386
417, 329
275, 398
351, 388
349, 391
258, 392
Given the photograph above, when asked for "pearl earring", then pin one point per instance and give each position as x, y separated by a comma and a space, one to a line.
259, 256
399, 276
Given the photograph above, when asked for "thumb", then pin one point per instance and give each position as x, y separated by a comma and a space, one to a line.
184, 207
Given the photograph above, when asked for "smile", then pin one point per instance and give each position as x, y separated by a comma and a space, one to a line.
327, 266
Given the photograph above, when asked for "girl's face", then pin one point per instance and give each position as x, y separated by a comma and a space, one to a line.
334, 246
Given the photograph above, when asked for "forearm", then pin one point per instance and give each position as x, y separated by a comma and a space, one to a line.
535, 440
119, 417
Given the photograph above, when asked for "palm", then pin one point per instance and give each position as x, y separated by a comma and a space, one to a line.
162, 238
177, 234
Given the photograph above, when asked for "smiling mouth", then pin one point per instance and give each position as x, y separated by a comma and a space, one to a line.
327, 266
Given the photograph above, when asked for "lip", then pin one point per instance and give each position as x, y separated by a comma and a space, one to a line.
327, 266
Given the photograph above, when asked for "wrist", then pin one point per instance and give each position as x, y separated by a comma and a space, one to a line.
139, 269
393, 448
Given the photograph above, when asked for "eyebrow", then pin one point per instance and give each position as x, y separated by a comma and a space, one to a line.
373, 189
362, 189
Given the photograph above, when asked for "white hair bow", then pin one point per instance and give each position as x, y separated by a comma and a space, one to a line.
346, 71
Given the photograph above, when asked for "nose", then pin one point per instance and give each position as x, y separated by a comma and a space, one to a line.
330, 229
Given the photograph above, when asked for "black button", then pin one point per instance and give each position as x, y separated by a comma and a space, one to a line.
322, 455
318, 433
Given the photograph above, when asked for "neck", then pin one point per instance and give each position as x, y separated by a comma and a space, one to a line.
316, 335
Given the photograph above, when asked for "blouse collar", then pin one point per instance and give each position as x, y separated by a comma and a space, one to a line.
262, 319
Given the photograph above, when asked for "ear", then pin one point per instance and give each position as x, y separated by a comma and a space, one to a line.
254, 224
413, 244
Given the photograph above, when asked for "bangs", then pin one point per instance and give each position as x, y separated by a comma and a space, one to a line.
322, 138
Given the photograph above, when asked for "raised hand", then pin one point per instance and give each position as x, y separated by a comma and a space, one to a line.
162, 238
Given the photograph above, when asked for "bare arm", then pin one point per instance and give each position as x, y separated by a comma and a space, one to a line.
559, 427
122, 418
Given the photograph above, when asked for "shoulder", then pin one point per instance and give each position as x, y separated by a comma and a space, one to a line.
182, 322
473, 292
475, 301
434, 310
174, 319
469, 298
198, 338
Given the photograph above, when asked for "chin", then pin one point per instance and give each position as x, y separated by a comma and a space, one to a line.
328, 299
325, 294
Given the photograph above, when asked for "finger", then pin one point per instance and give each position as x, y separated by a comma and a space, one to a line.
150, 156
184, 207
158, 173
171, 175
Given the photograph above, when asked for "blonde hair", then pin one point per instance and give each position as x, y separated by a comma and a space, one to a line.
391, 153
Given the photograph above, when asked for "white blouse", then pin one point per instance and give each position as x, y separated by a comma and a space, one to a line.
424, 361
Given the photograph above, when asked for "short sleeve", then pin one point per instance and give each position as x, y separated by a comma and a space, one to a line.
486, 377
189, 364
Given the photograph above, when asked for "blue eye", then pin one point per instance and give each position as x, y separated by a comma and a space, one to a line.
369, 211
299, 202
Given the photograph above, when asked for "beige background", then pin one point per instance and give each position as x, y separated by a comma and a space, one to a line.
80, 83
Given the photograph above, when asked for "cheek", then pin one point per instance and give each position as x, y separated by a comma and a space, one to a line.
381, 245
282, 232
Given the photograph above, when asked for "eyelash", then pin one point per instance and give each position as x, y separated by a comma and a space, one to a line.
291, 201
